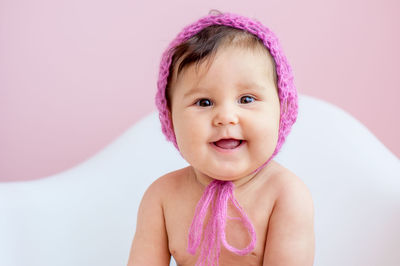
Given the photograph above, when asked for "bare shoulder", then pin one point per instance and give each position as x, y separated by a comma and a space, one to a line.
292, 195
168, 184
290, 239
150, 243
163, 185
289, 187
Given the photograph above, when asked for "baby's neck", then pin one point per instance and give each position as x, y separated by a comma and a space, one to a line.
239, 183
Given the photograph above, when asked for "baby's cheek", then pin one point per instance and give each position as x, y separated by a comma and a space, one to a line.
264, 136
188, 133
193, 129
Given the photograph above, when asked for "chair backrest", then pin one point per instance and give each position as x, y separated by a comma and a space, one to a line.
87, 215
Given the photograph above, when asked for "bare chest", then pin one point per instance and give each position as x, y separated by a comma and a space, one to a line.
179, 213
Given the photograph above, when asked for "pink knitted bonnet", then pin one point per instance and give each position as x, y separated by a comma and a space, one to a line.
287, 90
221, 191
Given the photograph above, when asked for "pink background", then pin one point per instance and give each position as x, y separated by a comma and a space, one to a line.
74, 75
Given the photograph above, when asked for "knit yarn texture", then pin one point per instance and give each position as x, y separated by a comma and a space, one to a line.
221, 191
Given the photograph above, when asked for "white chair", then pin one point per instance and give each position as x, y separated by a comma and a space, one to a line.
86, 216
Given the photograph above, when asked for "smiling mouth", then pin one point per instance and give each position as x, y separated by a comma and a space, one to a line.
228, 144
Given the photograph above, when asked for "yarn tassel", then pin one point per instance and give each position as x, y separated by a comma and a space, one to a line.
214, 233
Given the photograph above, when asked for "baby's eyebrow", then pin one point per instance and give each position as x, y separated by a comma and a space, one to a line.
241, 87
194, 90
254, 86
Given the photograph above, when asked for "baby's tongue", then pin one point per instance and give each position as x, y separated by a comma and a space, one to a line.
227, 143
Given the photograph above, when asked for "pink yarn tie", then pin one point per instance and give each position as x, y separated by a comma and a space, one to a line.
214, 232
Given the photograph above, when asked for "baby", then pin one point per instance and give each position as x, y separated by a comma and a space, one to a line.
227, 102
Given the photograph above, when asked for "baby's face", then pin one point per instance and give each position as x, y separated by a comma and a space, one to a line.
226, 118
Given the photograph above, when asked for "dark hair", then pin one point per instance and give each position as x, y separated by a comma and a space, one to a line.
204, 45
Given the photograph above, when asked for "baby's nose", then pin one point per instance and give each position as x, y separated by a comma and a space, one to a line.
225, 115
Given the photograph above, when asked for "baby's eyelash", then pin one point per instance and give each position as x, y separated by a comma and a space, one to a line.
253, 99
204, 102
245, 99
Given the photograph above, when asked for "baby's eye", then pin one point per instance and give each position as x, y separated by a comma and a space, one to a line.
247, 99
204, 103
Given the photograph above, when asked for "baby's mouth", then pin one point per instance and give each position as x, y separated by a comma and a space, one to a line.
228, 143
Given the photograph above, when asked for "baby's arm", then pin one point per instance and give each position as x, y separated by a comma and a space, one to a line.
290, 237
150, 244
